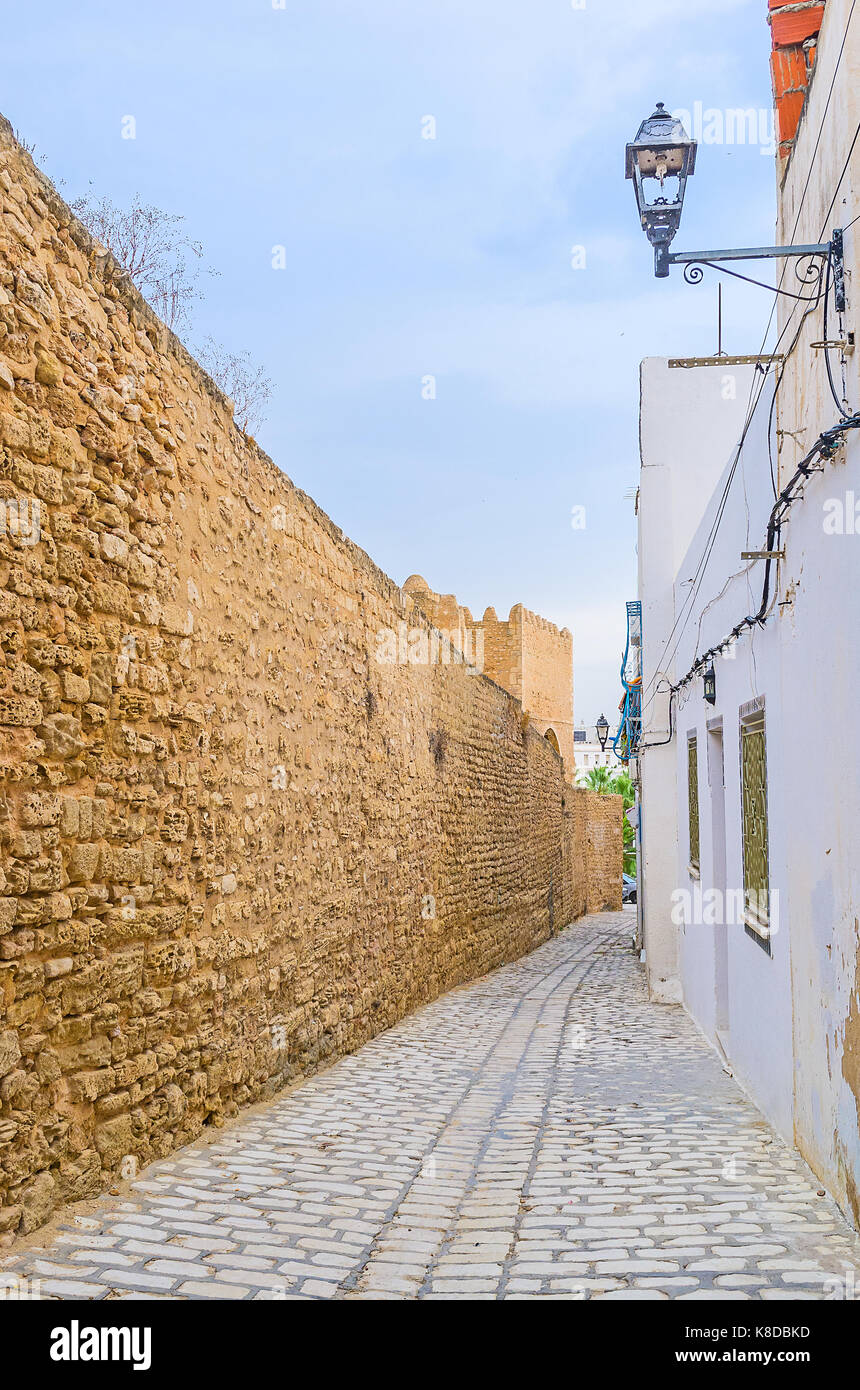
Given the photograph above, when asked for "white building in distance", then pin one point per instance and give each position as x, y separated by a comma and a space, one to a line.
588, 752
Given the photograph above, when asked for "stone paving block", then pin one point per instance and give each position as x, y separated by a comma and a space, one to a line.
615, 1294
464, 1286
200, 1289
167, 1249
470, 1152
714, 1294
136, 1279
176, 1268
71, 1288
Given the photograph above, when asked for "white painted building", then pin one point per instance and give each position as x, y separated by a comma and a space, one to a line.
749, 875
588, 752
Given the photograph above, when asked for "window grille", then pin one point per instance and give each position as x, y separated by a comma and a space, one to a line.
754, 827
693, 799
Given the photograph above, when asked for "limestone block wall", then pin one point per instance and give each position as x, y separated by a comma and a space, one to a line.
601, 852
233, 843
503, 653
547, 677
524, 654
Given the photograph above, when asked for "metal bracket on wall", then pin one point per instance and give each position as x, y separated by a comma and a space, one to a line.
751, 359
815, 254
835, 344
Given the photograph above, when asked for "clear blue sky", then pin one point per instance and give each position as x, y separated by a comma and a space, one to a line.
301, 126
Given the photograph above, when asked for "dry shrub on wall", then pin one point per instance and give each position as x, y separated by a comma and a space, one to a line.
152, 249
247, 385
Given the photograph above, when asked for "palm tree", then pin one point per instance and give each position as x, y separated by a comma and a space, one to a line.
597, 779
622, 783
604, 779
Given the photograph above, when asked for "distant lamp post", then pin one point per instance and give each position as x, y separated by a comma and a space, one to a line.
602, 727
710, 681
664, 151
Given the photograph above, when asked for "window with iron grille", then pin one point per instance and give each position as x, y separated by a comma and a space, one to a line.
754, 823
693, 799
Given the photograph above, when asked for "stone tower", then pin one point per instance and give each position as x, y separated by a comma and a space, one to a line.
525, 654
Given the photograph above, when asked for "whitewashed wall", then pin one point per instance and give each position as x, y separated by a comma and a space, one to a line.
819, 643
690, 420
755, 1032
791, 1022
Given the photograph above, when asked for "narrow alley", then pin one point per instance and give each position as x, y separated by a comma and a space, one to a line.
543, 1131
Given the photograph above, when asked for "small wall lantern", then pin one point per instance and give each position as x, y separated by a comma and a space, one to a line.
602, 727
710, 682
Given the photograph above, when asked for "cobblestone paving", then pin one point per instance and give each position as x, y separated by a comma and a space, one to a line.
543, 1132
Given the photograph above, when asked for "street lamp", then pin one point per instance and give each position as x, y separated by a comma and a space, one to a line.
602, 727
664, 151
710, 681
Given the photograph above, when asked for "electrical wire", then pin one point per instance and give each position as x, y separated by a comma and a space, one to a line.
826, 445
651, 692
660, 743
751, 409
703, 561
698, 576
711, 540
839, 184
700, 570
840, 404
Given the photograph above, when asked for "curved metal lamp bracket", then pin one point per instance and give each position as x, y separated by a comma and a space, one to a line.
812, 276
809, 270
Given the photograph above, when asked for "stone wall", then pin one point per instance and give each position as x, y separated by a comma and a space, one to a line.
596, 843
547, 678
523, 653
233, 844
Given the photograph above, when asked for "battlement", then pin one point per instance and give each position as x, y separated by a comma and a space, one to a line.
527, 655
544, 624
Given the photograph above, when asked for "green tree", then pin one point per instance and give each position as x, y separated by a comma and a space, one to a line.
598, 779
603, 779
623, 785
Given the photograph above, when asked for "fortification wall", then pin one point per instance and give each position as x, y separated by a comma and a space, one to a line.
234, 843
547, 680
525, 654
503, 653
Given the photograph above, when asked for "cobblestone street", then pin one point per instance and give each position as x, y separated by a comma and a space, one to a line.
544, 1131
